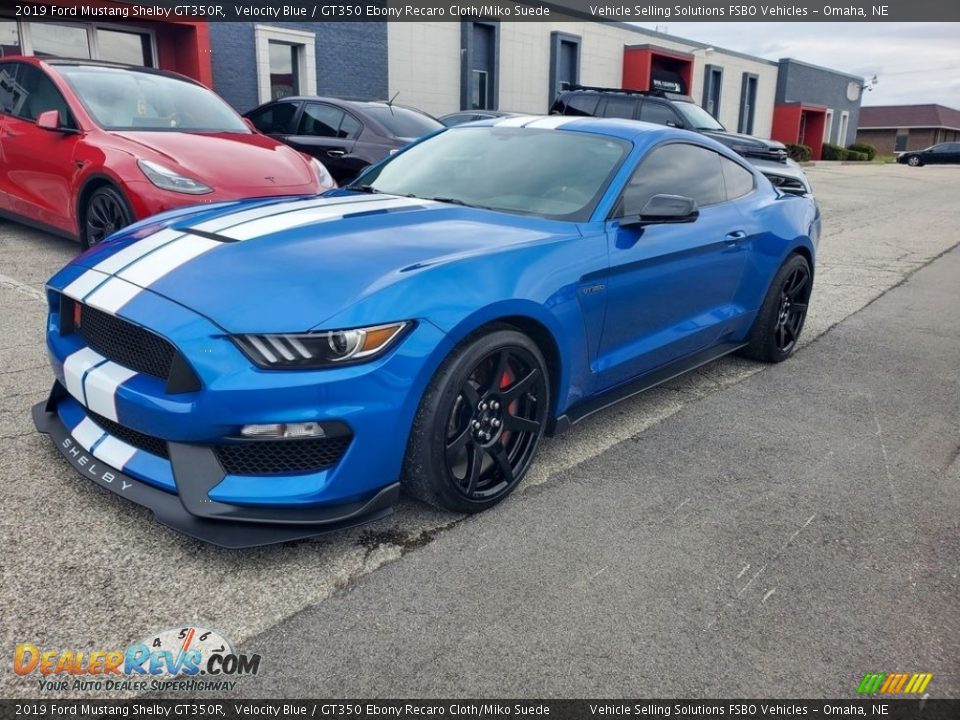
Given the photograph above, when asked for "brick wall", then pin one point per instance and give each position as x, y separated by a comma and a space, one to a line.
882, 140
351, 59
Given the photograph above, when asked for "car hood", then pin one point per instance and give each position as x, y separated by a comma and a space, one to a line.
226, 161
741, 139
288, 265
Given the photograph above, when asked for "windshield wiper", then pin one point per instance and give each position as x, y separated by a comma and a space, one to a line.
370, 189
450, 200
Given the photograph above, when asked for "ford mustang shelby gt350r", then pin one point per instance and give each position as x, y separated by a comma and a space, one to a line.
267, 370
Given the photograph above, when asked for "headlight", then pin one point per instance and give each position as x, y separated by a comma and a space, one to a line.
323, 175
320, 349
167, 179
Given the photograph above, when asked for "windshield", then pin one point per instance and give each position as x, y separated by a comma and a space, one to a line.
403, 122
120, 99
698, 118
550, 173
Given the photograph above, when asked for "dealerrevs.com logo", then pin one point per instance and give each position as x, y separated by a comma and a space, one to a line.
185, 658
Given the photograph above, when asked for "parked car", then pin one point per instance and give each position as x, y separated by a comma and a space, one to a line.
942, 154
663, 108
348, 136
465, 116
237, 372
89, 147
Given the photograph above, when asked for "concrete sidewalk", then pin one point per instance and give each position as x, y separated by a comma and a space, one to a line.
781, 537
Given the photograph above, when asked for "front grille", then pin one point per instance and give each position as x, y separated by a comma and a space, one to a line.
281, 457
125, 343
141, 441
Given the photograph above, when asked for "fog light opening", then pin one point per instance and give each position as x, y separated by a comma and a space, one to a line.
284, 430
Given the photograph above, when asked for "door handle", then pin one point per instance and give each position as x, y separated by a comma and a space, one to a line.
336, 153
734, 237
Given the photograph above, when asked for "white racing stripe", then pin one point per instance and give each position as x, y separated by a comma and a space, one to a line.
101, 386
75, 367
112, 295
259, 213
551, 123
518, 121
114, 452
86, 433
137, 250
167, 259
278, 223
85, 284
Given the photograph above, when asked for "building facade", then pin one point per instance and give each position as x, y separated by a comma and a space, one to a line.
895, 128
816, 105
442, 67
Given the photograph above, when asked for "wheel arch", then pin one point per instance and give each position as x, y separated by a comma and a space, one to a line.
90, 185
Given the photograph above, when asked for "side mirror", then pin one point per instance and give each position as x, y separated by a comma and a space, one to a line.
49, 120
662, 209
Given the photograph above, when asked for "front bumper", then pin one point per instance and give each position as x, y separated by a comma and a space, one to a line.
191, 510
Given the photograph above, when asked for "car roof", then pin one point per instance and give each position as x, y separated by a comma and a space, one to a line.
347, 102
84, 62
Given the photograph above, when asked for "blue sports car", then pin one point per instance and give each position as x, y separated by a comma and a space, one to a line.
267, 370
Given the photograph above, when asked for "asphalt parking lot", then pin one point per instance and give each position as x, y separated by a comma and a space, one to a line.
84, 569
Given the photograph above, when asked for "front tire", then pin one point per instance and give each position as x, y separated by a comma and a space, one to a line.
479, 424
105, 212
776, 330
914, 161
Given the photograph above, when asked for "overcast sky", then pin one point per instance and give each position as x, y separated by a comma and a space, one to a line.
913, 62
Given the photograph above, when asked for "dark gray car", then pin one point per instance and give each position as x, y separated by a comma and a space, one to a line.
345, 135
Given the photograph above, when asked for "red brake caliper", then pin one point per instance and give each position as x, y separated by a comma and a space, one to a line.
505, 381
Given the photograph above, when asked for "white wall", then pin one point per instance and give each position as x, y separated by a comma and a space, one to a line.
424, 66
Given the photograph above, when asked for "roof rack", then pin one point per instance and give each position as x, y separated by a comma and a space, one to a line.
654, 92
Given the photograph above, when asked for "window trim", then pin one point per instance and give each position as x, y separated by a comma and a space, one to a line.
343, 112
306, 58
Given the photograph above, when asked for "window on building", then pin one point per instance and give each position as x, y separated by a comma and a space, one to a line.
748, 103
564, 62
712, 82
286, 62
828, 126
9, 37
122, 46
900, 144
675, 169
77, 41
480, 87
49, 39
284, 70
842, 128
479, 57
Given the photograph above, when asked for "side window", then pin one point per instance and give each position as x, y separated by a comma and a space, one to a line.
40, 95
620, 107
350, 127
12, 95
739, 180
574, 104
320, 120
274, 118
659, 113
675, 169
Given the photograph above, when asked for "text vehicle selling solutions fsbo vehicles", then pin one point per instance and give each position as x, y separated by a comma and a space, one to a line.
267, 370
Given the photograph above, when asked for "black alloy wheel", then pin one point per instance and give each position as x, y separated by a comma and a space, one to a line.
776, 330
106, 212
485, 412
792, 310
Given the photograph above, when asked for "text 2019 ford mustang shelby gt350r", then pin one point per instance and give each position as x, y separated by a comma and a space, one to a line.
267, 370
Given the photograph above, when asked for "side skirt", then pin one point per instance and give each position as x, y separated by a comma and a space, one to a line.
588, 407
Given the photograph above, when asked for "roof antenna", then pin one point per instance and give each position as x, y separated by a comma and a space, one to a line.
390, 101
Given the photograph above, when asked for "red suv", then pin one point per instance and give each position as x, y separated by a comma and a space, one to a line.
88, 147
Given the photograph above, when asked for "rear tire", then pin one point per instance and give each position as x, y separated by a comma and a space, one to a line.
479, 424
105, 212
776, 330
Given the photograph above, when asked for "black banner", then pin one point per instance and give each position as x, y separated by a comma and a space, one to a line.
456, 709
504, 10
